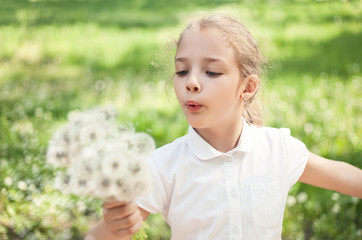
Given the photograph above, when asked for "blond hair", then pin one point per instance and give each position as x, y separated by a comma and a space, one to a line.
246, 51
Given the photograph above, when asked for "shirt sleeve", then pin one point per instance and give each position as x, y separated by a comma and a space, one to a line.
297, 155
157, 200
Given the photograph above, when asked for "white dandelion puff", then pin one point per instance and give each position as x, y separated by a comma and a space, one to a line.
102, 160
144, 144
291, 201
91, 133
111, 165
8, 181
302, 197
336, 208
58, 155
335, 196
22, 185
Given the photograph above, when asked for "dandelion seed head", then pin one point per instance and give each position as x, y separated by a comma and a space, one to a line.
8, 181
302, 197
102, 160
291, 201
336, 208
335, 196
22, 185
105, 183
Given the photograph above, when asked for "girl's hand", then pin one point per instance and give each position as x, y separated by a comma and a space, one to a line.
122, 219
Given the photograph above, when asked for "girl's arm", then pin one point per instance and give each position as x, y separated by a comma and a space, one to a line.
334, 175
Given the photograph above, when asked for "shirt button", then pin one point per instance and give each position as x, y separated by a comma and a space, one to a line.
235, 230
229, 158
233, 193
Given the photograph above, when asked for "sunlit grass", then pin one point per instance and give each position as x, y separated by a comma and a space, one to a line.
59, 56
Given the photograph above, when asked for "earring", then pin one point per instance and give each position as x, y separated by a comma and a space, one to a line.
244, 98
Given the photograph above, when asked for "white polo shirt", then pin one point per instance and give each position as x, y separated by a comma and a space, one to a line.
206, 194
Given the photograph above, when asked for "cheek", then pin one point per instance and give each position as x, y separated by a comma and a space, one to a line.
177, 88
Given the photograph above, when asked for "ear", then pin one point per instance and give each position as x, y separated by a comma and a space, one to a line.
250, 86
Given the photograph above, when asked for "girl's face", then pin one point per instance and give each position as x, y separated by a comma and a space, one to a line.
207, 82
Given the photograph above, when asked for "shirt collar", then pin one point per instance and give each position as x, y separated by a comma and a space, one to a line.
204, 151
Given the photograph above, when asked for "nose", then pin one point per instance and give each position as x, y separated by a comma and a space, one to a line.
193, 84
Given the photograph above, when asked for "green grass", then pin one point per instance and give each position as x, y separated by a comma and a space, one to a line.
57, 56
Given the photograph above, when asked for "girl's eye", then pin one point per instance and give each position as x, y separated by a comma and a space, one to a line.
182, 73
213, 74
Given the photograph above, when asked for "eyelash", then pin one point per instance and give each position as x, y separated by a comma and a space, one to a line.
182, 73
185, 72
213, 74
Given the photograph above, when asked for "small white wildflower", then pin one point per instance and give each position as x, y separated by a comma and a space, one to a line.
8, 181
336, 208
32, 187
4, 163
4, 191
291, 201
22, 185
355, 200
302, 197
335, 196
81, 206
308, 128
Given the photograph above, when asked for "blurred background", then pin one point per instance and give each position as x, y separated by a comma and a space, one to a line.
60, 55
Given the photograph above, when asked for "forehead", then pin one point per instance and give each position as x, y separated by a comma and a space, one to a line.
209, 43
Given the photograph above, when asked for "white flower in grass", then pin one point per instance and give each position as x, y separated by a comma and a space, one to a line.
22, 185
8, 181
335, 196
291, 201
302, 197
336, 208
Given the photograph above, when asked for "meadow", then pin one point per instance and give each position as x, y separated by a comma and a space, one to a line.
58, 56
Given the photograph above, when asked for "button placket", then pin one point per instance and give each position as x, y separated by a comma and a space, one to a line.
232, 184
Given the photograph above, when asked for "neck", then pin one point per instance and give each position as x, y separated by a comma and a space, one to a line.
223, 138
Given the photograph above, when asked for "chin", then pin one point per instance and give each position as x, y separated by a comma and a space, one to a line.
196, 124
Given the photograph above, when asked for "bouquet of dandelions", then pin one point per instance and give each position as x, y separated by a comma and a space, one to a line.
100, 159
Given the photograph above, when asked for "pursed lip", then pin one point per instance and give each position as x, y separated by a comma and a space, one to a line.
193, 106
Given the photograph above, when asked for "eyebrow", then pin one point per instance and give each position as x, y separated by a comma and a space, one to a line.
182, 59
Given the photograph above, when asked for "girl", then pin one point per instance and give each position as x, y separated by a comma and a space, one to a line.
228, 177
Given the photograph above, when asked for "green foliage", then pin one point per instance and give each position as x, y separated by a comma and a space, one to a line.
57, 56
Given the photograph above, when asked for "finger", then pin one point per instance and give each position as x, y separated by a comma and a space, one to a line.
126, 222
120, 212
129, 231
110, 205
